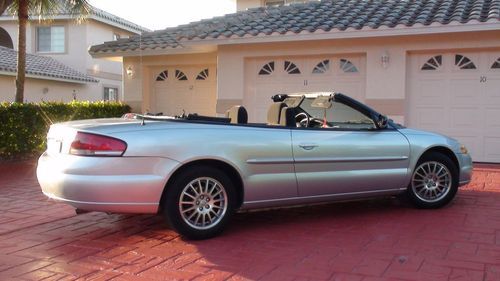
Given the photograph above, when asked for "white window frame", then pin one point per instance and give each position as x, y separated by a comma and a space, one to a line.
37, 38
106, 96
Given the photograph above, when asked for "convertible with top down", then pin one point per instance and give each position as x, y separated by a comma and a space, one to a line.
198, 170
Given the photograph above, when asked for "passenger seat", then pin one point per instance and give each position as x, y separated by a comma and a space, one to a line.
238, 115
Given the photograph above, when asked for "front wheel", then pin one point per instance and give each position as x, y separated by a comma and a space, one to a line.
434, 181
199, 202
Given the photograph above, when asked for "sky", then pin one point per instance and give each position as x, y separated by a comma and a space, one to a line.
159, 14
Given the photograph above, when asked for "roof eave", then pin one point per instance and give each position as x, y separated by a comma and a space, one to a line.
43, 77
190, 46
198, 49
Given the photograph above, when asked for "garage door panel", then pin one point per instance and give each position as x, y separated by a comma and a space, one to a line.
465, 118
491, 145
430, 117
458, 102
464, 91
271, 76
429, 95
492, 120
186, 89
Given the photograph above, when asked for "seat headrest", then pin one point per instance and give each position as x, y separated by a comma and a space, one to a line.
274, 113
287, 117
238, 114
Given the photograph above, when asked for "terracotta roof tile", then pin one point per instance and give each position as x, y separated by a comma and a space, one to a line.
326, 15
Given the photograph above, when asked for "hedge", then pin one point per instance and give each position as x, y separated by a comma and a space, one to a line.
24, 126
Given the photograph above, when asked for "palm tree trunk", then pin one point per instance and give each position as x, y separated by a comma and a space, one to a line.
21, 54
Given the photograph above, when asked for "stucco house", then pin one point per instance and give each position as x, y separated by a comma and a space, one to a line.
65, 42
432, 64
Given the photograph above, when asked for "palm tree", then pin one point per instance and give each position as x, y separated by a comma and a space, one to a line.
43, 9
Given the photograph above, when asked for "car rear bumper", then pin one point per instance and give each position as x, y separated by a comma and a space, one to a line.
108, 184
465, 162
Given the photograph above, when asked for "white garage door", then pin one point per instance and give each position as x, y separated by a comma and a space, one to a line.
458, 94
189, 89
271, 76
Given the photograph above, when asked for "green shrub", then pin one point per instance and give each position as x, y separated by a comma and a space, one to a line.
24, 126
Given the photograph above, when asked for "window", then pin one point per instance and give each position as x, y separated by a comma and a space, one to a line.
433, 63
291, 68
162, 76
338, 116
116, 36
321, 67
496, 64
110, 94
179, 75
464, 62
51, 39
347, 66
267, 69
203, 75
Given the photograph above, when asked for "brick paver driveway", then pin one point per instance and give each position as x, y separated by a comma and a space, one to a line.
376, 240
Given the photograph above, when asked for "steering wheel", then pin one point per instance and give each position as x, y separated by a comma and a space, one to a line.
303, 120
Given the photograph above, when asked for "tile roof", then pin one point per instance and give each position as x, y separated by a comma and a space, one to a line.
326, 15
96, 14
41, 67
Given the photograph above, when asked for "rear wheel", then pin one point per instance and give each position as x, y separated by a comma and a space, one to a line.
434, 182
199, 202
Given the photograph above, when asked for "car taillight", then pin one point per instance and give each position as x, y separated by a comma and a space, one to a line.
88, 144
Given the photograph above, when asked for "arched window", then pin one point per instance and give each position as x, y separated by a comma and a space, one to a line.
464, 62
321, 67
179, 75
291, 68
267, 69
347, 66
496, 64
203, 75
433, 63
5, 39
162, 76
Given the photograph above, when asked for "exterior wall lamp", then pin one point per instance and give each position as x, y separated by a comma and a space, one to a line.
384, 59
130, 71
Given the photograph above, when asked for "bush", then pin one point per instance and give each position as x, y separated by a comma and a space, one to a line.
24, 126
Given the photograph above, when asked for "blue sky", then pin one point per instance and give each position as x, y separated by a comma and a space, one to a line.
159, 14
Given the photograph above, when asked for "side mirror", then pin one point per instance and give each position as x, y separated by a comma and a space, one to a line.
381, 122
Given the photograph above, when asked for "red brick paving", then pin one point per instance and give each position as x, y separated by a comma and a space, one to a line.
368, 241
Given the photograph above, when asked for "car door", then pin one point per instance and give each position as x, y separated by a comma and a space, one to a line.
340, 160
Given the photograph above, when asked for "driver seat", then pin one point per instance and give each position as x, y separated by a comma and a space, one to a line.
287, 117
274, 113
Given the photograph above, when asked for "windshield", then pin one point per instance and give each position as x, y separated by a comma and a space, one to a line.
338, 116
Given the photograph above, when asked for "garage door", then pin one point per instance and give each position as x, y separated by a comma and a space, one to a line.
271, 76
190, 89
458, 94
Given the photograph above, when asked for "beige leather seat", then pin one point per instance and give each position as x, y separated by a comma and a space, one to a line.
238, 115
274, 113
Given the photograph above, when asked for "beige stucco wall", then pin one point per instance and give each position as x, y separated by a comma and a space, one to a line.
385, 87
138, 88
37, 90
242, 5
79, 37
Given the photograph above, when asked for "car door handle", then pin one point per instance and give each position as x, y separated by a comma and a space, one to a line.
308, 146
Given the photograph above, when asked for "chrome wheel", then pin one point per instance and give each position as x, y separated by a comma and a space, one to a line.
431, 181
203, 203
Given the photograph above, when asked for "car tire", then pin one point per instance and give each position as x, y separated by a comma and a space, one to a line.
199, 202
434, 181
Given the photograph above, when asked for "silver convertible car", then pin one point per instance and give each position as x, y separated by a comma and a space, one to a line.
198, 170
